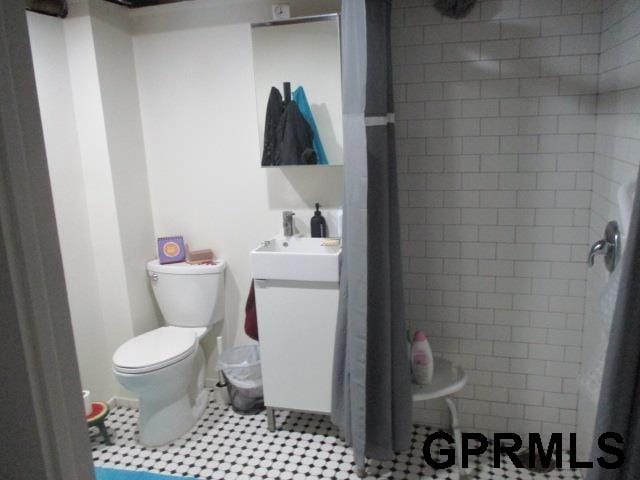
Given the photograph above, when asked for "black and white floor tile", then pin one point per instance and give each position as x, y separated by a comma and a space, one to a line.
225, 445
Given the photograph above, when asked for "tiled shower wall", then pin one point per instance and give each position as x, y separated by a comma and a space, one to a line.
495, 137
617, 154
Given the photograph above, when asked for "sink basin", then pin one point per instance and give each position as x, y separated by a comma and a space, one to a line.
296, 258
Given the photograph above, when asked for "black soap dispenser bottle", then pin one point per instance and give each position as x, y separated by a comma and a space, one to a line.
318, 224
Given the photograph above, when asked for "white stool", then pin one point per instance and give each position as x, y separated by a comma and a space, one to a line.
447, 380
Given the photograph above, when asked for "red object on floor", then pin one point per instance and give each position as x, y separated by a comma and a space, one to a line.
251, 315
98, 410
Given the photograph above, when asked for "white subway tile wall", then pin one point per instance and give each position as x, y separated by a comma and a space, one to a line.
496, 124
617, 155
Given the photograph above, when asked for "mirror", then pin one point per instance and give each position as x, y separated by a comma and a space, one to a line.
298, 89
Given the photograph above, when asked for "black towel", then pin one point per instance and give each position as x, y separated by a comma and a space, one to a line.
274, 114
288, 137
295, 139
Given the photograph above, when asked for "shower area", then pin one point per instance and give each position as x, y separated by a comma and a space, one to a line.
516, 127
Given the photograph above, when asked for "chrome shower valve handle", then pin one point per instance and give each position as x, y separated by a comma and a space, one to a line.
609, 246
598, 248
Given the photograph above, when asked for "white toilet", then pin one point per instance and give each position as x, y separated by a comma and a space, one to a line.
165, 367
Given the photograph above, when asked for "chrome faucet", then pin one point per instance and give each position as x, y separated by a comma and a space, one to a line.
287, 223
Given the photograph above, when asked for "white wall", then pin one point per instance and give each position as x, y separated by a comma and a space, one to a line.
495, 136
48, 45
195, 78
98, 181
616, 163
94, 145
121, 108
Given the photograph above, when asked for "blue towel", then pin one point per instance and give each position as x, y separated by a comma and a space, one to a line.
116, 474
300, 98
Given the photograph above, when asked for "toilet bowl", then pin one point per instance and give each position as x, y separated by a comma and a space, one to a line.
165, 367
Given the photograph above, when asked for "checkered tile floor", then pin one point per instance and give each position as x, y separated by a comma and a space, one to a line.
225, 445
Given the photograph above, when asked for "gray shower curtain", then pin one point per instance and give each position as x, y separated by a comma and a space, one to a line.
619, 404
372, 382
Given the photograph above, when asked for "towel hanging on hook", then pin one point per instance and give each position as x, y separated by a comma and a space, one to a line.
288, 137
286, 88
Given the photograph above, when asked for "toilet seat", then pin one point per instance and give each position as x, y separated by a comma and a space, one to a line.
154, 350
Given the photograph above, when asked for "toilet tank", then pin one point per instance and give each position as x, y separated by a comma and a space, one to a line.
188, 295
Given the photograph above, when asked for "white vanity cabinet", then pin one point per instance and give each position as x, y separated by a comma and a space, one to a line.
297, 327
297, 291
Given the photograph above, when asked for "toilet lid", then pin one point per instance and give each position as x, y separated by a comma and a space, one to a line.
155, 349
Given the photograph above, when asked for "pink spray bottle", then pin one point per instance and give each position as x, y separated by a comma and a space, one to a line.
421, 359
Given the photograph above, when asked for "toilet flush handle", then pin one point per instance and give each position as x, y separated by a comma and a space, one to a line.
153, 277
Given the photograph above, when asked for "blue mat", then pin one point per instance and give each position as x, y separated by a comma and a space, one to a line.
113, 474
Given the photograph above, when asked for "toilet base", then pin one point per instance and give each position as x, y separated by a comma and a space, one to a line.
172, 399
168, 423
162, 421
201, 404
159, 425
